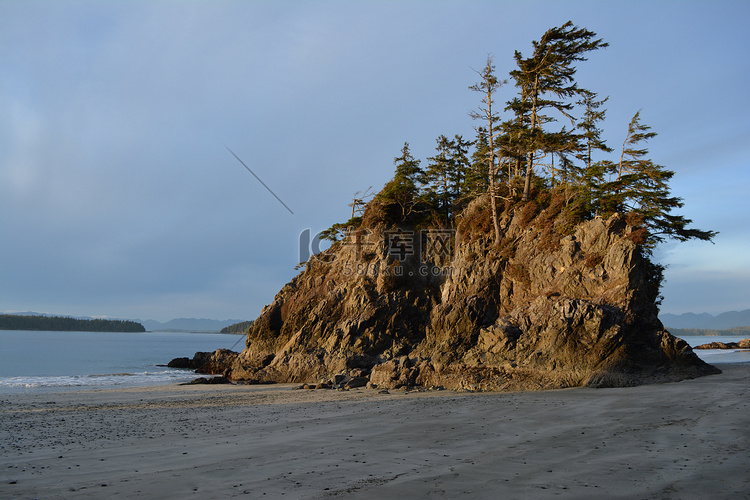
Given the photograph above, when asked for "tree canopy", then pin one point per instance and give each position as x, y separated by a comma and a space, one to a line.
548, 145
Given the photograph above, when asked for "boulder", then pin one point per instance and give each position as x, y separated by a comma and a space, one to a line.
356, 382
212, 380
215, 362
180, 363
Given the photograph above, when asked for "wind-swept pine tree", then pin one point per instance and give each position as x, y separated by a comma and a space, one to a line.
545, 80
641, 189
591, 135
593, 172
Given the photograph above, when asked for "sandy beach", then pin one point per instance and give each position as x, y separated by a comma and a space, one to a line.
687, 439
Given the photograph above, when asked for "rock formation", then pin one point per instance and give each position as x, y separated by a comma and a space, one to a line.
206, 362
550, 306
742, 344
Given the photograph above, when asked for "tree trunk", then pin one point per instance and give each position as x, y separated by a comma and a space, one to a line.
527, 180
493, 194
493, 204
530, 160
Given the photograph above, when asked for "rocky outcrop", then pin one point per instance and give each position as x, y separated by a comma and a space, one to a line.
742, 344
212, 380
210, 363
550, 306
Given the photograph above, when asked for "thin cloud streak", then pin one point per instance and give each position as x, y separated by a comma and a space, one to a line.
259, 179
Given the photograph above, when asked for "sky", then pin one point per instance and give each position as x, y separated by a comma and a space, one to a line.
119, 196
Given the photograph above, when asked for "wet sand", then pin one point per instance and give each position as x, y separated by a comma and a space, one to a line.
688, 439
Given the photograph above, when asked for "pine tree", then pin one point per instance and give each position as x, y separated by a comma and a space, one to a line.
476, 180
407, 167
593, 173
641, 190
511, 146
445, 176
545, 80
591, 134
459, 156
438, 177
400, 196
488, 86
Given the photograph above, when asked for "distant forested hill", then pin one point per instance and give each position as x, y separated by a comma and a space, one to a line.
240, 327
723, 321
65, 324
739, 331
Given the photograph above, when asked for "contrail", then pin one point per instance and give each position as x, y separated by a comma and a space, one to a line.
259, 180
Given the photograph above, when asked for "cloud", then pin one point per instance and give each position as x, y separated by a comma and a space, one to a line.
121, 195
21, 133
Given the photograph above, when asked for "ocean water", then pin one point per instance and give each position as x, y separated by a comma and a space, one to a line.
38, 362
33, 361
718, 355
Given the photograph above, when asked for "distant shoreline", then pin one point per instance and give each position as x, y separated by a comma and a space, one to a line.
177, 330
709, 332
66, 324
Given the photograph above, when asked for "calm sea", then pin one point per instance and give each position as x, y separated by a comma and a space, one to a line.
719, 355
56, 361
33, 361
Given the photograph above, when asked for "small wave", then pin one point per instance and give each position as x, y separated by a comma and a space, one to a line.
101, 380
723, 355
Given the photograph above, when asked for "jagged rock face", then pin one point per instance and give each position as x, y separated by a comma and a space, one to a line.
452, 309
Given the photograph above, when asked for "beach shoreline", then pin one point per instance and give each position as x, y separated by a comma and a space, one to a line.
684, 439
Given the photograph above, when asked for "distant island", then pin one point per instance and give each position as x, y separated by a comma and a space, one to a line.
241, 327
67, 324
737, 331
